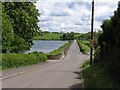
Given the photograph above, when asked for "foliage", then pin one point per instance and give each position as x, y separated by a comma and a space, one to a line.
108, 55
76, 35
19, 19
87, 37
97, 55
45, 35
86, 42
7, 32
95, 77
84, 46
14, 60
19, 44
67, 36
0, 27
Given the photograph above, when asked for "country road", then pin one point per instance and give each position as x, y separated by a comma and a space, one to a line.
60, 74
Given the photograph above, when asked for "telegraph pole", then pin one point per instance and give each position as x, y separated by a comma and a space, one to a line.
92, 25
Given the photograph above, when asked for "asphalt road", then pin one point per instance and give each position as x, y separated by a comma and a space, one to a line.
61, 74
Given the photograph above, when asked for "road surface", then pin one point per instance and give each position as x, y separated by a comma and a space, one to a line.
61, 74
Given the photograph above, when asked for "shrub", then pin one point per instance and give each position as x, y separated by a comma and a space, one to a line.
14, 60
97, 55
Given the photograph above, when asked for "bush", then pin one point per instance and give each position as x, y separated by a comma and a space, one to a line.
97, 55
95, 77
109, 61
14, 60
111, 64
109, 42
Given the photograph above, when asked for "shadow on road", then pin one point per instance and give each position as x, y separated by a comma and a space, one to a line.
77, 86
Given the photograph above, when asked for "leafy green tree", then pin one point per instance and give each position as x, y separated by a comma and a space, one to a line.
7, 32
19, 44
67, 36
23, 17
109, 42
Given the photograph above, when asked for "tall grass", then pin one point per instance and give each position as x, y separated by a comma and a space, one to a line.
14, 60
95, 77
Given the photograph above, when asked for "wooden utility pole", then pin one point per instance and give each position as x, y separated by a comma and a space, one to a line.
92, 25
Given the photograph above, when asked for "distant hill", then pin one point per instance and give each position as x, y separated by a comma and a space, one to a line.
52, 36
49, 36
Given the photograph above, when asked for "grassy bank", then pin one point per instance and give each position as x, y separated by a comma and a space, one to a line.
60, 49
14, 60
95, 77
76, 35
84, 46
49, 36
86, 42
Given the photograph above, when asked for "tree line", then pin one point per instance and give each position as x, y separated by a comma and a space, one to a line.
19, 26
67, 36
107, 54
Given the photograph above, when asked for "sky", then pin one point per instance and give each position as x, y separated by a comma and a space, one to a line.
73, 15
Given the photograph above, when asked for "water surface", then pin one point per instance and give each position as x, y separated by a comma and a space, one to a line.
46, 46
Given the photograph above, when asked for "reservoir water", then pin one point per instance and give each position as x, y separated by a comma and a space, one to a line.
46, 46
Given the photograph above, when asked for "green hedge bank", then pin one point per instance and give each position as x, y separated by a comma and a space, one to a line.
14, 60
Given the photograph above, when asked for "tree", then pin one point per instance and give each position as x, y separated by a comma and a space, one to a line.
109, 42
67, 36
7, 32
24, 18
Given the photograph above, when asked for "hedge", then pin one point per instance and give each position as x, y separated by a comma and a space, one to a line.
13, 60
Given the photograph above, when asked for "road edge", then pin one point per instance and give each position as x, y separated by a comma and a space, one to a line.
83, 83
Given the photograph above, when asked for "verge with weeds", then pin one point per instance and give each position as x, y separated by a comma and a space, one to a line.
60, 49
95, 77
14, 60
84, 47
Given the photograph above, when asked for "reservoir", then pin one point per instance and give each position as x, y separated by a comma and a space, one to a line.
46, 46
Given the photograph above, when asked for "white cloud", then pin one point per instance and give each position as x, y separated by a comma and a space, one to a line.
73, 15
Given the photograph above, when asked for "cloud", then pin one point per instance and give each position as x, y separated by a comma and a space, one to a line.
73, 15
59, 13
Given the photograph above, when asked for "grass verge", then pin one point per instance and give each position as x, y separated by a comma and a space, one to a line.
13, 60
95, 77
86, 42
84, 46
60, 49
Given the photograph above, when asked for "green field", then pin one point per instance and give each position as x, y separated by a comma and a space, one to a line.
76, 35
52, 36
49, 36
